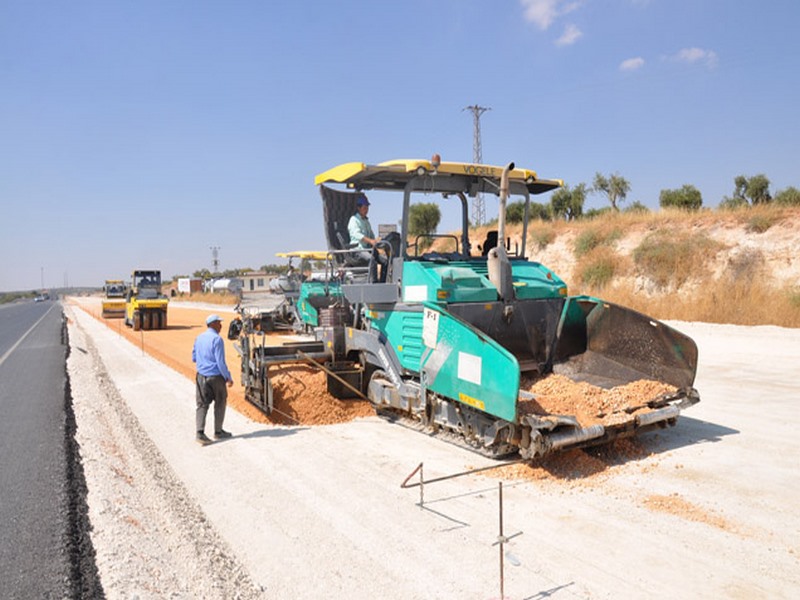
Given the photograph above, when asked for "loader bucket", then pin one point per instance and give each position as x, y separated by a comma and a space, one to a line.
608, 345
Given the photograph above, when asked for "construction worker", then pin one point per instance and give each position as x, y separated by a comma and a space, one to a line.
212, 379
362, 236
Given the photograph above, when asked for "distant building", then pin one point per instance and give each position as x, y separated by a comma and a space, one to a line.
256, 281
189, 285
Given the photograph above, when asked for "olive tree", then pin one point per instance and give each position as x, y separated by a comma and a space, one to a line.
790, 197
566, 203
614, 187
748, 190
515, 212
687, 197
423, 219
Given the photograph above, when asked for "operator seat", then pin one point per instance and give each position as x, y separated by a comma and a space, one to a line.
337, 208
490, 242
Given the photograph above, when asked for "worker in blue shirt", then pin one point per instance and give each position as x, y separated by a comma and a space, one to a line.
213, 379
364, 240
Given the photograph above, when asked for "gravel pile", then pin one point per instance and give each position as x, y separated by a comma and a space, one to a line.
150, 538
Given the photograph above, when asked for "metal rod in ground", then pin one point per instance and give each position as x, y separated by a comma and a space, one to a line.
405, 483
421, 483
501, 538
501, 541
421, 487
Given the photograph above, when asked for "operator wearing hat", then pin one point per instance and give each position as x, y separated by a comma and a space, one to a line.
361, 234
212, 378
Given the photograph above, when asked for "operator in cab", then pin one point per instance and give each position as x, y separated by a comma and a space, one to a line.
363, 239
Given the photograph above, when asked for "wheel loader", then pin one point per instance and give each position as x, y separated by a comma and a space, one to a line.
145, 305
449, 339
113, 304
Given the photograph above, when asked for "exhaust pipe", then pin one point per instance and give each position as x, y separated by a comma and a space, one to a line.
499, 268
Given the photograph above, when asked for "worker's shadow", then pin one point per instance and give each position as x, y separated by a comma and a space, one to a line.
277, 432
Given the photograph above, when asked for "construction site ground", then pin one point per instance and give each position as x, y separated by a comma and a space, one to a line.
309, 504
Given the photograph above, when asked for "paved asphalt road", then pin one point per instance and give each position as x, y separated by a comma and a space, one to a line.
44, 551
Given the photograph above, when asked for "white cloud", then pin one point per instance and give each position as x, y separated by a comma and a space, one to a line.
570, 35
544, 12
632, 64
697, 55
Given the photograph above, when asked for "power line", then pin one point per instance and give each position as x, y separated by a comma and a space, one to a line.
478, 208
215, 258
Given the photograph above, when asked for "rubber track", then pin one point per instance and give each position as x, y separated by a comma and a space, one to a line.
442, 433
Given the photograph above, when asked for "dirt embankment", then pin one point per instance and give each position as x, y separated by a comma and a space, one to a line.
752, 243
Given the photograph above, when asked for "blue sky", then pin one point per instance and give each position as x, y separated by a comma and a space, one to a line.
141, 134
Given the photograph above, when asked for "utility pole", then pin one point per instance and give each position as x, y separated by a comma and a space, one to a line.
215, 259
478, 208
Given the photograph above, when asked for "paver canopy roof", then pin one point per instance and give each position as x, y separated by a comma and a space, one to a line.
447, 177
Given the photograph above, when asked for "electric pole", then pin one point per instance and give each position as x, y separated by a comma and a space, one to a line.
478, 209
215, 259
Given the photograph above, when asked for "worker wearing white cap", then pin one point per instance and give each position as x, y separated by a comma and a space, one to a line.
213, 379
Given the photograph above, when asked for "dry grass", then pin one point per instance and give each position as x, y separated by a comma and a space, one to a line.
760, 223
208, 298
717, 302
598, 268
675, 257
541, 234
668, 275
594, 237
671, 258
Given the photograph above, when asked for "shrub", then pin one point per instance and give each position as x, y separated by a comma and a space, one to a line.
593, 213
760, 223
733, 203
745, 266
592, 238
668, 257
598, 269
542, 236
788, 197
515, 212
793, 296
636, 208
687, 197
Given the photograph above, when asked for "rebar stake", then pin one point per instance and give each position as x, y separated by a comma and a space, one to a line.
502, 540
421, 483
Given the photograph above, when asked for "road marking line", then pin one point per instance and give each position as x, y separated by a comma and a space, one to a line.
24, 335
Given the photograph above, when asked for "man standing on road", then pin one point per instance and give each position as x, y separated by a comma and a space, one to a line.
212, 378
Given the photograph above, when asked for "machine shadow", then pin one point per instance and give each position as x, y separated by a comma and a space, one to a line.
586, 462
687, 432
